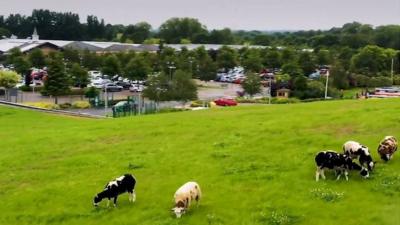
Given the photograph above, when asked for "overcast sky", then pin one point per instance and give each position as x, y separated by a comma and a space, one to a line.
235, 14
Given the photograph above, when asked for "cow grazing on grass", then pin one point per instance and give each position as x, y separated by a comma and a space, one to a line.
356, 150
387, 148
125, 183
341, 163
184, 196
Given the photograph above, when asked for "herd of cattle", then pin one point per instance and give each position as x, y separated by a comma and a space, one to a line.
340, 163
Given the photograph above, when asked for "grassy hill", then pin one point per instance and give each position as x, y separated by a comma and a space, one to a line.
255, 165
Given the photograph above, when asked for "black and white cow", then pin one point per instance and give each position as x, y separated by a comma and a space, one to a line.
125, 183
357, 150
341, 163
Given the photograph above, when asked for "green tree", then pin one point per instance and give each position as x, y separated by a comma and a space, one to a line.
183, 88
21, 65
227, 58
340, 76
252, 60
37, 58
324, 57
176, 29
13, 54
91, 93
271, 58
8, 79
157, 87
57, 82
90, 60
293, 69
79, 75
252, 84
372, 59
138, 33
137, 68
205, 68
111, 66
306, 62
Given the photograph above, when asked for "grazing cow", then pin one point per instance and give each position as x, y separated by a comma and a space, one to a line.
339, 162
387, 148
125, 183
356, 150
184, 196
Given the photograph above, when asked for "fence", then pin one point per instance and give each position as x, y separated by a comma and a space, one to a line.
133, 106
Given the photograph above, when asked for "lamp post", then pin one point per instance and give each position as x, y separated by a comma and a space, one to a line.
191, 64
171, 66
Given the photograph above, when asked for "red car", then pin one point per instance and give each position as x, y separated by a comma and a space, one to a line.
225, 102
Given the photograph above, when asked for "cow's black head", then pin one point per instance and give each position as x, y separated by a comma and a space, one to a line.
385, 157
364, 173
96, 200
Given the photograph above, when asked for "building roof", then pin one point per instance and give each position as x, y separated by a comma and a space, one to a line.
96, 46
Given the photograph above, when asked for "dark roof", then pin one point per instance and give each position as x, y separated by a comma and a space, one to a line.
83, 46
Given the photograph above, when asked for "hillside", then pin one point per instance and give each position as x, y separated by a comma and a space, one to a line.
255, 165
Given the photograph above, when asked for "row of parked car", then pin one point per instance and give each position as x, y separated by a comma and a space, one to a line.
114, 84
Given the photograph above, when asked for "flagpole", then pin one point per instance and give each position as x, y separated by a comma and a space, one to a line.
326, 85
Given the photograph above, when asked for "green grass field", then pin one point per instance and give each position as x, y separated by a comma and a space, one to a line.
255, 165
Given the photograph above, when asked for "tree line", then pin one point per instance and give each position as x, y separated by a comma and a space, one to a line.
68, 26
369, 66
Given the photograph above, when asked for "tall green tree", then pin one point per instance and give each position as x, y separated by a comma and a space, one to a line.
79, 75
111, 66
37, 58
252, 60
252, 84
176, 29
340, 76
227, 58
57, 82
307, 62
138, 68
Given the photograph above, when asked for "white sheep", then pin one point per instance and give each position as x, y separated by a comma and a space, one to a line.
184, 196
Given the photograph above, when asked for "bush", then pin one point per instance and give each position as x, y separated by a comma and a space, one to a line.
44, 105
396, 79
81, 105
66, 105
199, 103
30, 89
284, 100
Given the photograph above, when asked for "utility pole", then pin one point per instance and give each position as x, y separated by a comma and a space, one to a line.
391, 71
326, 84
105, 100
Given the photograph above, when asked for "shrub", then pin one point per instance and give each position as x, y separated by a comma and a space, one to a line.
29, 88
284, 100
44, 105
81, 105
199, 103
66, 105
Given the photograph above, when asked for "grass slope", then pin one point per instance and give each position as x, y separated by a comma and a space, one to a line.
255, 165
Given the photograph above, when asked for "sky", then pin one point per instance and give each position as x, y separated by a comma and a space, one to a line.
217, 14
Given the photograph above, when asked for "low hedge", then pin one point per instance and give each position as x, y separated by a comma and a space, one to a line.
44, 105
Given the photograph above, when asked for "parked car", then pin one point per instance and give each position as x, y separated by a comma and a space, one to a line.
136, 88
110, 87
225, 102
94, 73
98, 84
123, 84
